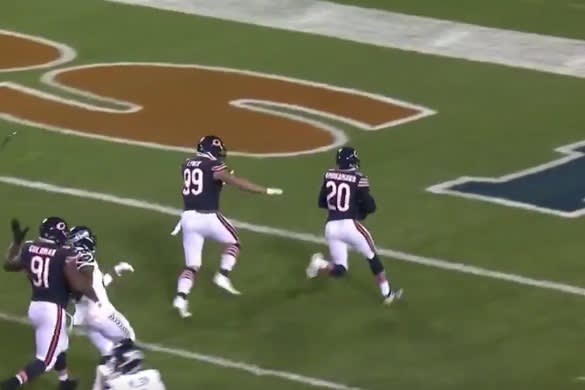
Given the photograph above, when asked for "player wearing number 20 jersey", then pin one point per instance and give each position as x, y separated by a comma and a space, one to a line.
203, 178
345, 193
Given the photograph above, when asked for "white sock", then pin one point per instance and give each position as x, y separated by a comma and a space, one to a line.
228, 262
186, 280
384, 288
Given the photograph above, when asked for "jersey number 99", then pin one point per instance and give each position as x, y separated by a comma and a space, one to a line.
338, 196
193, 181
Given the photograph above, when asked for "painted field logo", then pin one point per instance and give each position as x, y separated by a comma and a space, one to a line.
169, 106
556, 187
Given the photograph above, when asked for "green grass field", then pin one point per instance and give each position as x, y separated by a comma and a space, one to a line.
453, 331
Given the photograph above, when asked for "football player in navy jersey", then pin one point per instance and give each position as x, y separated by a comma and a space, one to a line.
203, 178
345, 193
51, 269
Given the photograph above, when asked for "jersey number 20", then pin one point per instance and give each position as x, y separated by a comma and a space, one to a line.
338, 196
39, 267
193, 181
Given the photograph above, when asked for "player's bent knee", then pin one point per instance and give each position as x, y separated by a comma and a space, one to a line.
338, 271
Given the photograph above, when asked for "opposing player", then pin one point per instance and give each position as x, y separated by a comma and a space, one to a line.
345, 193
203, 177
115, 328
52, 271
124, 371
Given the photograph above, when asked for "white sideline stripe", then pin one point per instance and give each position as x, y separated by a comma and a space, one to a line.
216, 361
304, 237
393, 30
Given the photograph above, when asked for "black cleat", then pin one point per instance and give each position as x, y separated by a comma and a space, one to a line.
69, 384
10, 384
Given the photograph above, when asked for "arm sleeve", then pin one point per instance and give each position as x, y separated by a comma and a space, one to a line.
322, 203
219, 166
365, 199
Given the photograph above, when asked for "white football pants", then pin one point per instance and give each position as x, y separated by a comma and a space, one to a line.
50, 327
197, 227
345, 234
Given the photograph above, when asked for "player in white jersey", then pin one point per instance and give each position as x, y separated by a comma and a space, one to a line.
124, 371
103, 334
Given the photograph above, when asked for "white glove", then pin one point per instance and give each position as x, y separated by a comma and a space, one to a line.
274, 191
122, 267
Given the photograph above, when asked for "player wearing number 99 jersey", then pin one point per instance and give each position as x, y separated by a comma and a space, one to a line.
203, 178
345, 193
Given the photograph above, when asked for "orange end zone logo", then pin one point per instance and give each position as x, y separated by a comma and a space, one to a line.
169, 106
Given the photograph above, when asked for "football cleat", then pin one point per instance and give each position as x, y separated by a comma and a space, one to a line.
224, 282
69, 384
393, 295
317, 263
182, 307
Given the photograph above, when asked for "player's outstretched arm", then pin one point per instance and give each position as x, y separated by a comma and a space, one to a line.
244, 184
118, 269
12, 263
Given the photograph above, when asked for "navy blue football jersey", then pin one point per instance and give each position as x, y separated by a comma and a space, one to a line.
44, 263
345, 193
200, 190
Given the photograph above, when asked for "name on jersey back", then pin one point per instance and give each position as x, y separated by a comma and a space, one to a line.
37, 250
341, 176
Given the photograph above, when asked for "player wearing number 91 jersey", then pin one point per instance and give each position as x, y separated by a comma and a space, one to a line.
203, 178
345, 193
53, 275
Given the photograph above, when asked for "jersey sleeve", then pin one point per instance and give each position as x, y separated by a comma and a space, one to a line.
363, 182
322, 201
218, 166
366, 202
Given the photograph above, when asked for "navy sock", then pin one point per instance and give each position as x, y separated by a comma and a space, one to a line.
337, 271
61, 363
376, 265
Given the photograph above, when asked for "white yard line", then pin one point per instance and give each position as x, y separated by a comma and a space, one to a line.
218, 361
393, 30
303, 237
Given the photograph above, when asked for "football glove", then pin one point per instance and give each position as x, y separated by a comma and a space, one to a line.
18, 234
122, 267
274, 191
